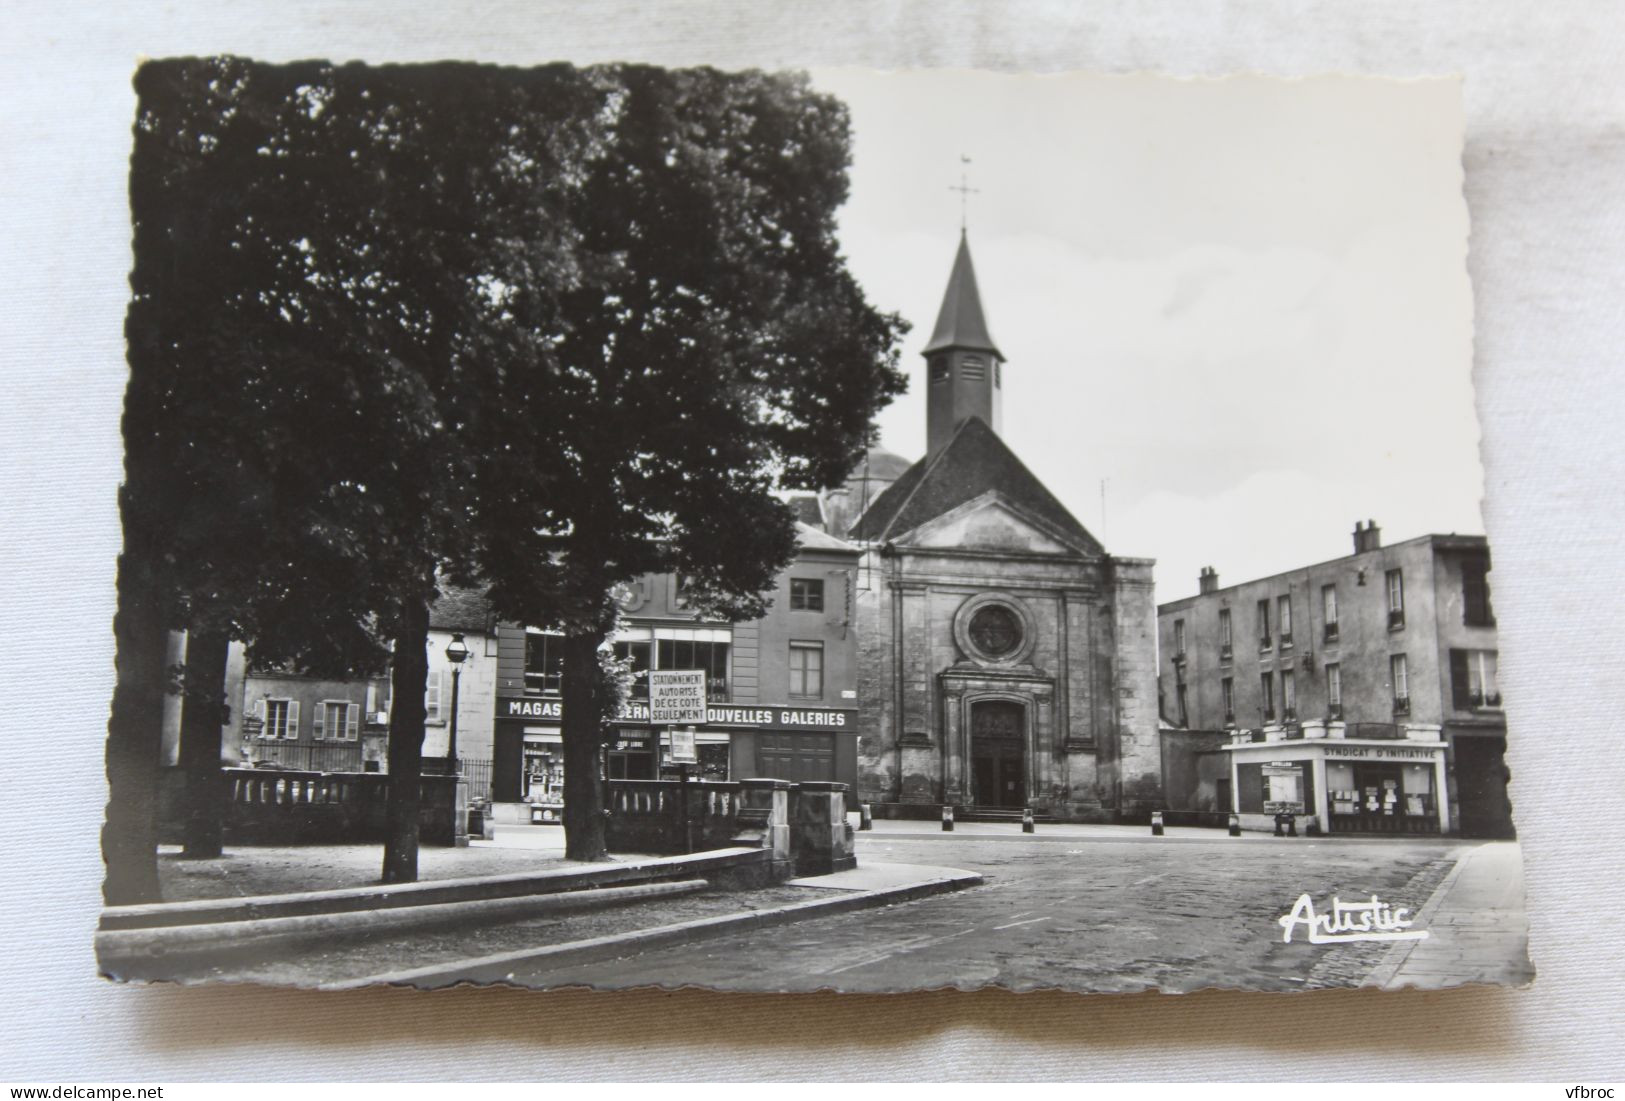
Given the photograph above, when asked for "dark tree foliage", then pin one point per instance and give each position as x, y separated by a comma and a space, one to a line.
310, 347
714, 348
539, 329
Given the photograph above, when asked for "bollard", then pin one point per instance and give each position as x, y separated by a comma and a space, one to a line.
866, 818
1235, 825
947, 818
1027, 820
1156, 823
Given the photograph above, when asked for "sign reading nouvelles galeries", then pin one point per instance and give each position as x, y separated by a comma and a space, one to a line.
720, 716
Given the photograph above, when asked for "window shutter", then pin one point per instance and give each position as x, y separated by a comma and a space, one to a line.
293, 718
1460, 690
259, 711
318, 721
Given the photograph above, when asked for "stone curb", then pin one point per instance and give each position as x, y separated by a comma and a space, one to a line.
426, 892
129, 953
499, 967
1386, 972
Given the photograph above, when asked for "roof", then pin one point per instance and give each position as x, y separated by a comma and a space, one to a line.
459, 609
1440, 542
881, 465
811, 538
961, 322
973, 462
806, 508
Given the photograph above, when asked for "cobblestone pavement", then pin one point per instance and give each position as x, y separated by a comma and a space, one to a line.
1103, 912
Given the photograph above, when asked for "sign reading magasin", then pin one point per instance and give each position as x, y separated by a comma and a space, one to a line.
637, 712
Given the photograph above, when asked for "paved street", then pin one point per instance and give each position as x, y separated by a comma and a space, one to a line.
1087, 908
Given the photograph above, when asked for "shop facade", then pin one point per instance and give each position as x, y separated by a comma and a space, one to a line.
1333, 783
778, 741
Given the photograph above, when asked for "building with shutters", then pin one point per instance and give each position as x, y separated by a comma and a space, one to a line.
1007, 660
1366, 685
323, 725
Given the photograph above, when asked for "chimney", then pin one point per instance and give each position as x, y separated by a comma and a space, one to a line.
1208, 580
1367, 536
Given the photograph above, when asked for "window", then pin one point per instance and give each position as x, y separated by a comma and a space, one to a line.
1289, 695
336, 719
1179, 638
998, 374
1284, 620
806, 594
1267, 684
1396, 600
281, 718
1328, 610
681, 586
939, 368
1227, 693
1224, 632
1399, 677
1475, 593
807, 670
973, 368
1334, 689
544, 664
687, 654
640, 654
1473, 681
1184, 704
433, 692
1263, 624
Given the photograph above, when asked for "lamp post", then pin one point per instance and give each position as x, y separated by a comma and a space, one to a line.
456, 652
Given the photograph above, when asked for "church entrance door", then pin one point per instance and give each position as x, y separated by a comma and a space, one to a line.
998, 753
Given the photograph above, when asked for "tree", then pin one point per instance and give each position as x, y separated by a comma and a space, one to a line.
713, 351
549, 329
309, 337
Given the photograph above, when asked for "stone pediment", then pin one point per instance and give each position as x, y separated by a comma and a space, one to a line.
991, 523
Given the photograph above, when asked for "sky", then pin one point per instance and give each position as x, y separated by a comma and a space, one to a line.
1241, 304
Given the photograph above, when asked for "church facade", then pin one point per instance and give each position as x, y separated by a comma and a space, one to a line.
1007, 660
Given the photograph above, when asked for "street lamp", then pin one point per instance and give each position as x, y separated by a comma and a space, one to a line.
456, 653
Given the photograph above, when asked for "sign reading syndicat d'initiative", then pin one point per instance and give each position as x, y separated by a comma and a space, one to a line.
716, 715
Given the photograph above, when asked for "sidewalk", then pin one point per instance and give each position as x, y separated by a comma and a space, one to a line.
1477, 928
252, 870
1051, 831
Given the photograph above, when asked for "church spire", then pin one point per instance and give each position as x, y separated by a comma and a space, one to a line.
963, 364
960, 321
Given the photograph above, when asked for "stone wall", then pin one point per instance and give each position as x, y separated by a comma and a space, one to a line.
1139, 750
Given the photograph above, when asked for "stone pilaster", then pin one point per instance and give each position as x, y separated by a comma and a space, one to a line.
1139, 749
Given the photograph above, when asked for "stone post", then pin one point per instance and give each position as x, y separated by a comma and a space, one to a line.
764, 822
820, 836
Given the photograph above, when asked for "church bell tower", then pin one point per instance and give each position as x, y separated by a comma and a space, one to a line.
964, 369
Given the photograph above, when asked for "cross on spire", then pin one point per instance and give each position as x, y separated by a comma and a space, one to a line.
964, 190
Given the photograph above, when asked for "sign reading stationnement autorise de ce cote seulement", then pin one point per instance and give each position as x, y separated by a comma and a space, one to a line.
676, 696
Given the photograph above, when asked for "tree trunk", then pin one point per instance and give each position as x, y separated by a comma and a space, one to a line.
134, 741
583, 738
203, 713
409, 680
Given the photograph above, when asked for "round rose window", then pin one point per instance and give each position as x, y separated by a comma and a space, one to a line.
996, 631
